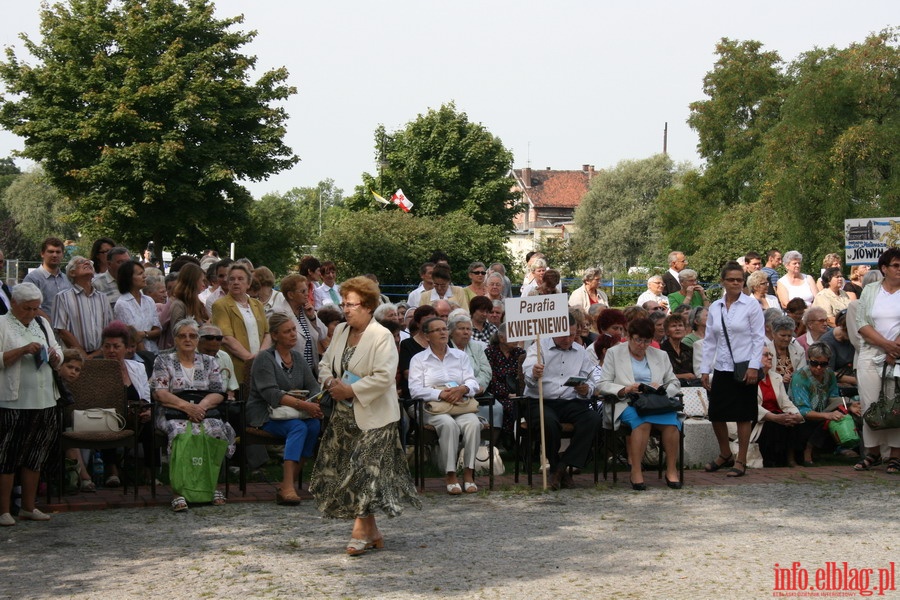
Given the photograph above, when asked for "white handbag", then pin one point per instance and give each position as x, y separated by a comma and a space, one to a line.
695, 402
94, 420
285, 413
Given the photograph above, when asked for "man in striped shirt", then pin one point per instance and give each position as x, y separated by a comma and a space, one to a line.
81, 312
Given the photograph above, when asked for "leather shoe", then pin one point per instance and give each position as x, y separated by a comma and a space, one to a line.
560, 479
638, 487
675, 485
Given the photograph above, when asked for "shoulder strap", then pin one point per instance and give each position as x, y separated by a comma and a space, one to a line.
725, 329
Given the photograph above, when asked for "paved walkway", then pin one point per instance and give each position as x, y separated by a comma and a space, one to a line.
265, 492
717, 538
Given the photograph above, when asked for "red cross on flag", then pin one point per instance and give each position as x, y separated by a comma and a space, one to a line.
400, 199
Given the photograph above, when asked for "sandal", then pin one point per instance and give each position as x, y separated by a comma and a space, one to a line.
893, 466
179, 504
470, 487
714, 466
87, 485
869, 461
356, 546
454, 489
218, 498
735, 472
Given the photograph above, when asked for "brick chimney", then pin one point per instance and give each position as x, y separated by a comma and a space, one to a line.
526, 177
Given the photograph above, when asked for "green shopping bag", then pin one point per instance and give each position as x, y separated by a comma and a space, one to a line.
195, 463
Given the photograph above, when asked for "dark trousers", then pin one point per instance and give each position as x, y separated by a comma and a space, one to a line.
778, 444
577, 412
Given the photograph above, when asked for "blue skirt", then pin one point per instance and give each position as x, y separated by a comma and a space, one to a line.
631, 418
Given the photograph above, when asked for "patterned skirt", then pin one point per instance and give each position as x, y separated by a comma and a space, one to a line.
360, 472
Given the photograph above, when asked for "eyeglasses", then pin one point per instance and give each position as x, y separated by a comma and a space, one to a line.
894, 265
346, 305
478, 272
217, 338
817, 320
767, 355
818, 363
641, 341
186, 336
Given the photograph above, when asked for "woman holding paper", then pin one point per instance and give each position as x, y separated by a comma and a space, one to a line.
28, 413
361, 467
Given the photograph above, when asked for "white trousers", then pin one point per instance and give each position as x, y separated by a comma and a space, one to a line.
448, 431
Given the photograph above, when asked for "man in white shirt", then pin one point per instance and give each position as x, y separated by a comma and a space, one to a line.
329, 291
655, 287
425, 286
106, 282
222, 278
562, 358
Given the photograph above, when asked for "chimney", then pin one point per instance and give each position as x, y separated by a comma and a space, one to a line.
526, 177
585, 168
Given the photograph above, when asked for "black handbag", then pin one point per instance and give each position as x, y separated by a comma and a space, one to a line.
740, 368
654, 402
885, 413
194, 397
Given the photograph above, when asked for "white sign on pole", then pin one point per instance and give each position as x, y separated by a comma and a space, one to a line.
528, 317
866, 239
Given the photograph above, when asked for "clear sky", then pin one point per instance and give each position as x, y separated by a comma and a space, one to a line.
562, 83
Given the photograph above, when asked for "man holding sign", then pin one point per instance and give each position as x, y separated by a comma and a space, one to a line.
564, 368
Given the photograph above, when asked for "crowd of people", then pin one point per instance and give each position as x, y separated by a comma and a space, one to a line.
781, 356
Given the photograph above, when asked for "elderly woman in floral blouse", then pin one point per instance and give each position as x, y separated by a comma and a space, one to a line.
176, 374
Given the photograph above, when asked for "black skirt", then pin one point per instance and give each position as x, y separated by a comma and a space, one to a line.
731, 400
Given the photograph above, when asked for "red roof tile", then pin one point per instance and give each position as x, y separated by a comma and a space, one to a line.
549, 188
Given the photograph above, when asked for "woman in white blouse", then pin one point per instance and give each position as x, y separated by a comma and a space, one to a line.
735, 336
443, 373
878, 319
135, 309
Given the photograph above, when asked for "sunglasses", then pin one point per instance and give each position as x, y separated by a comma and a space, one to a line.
818, 363
478, 272
218, 338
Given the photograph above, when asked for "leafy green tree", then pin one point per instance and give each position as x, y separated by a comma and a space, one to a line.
744, 98
445, 164
732, 233
143, 115
834, 154
791, 151
281, 227
392, 244
37, 208
686, 211
13, 244
616, 224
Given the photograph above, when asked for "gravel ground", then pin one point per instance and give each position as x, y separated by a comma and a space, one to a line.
603, 542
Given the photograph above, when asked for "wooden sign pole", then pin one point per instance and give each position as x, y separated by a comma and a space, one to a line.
545, 466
